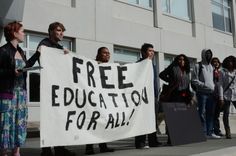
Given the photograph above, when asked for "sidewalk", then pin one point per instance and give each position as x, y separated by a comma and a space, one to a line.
216, 147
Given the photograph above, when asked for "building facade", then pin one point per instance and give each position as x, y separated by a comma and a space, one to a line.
172, 26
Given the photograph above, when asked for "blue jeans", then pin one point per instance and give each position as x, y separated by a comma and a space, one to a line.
206, 109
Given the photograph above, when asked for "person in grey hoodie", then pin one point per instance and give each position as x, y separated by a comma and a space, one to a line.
203, 81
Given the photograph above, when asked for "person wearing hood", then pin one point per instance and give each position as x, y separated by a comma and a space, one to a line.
203, 80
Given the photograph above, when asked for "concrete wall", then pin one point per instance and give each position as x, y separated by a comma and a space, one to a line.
113, 22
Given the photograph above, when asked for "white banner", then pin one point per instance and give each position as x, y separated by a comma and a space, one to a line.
83, 102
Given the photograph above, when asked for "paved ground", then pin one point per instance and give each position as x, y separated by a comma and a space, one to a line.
219, 147
213, 147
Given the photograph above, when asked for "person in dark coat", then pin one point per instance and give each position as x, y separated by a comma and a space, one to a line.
147, 51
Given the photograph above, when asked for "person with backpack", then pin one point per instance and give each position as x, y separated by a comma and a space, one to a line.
227, 90
203, 81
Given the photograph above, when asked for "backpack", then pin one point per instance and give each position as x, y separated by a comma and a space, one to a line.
199, 72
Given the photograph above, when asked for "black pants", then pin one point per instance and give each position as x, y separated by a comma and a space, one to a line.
226, 113
57, 149
218, 109
140, 140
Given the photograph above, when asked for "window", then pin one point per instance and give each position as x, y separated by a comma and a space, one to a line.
33, 80
168, 59
123, 55
142, 3
68, 3
221, 15
128, 55
177, 8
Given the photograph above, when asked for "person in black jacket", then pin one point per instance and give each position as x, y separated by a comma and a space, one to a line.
56, 34
13, 108
147, 51
177, 75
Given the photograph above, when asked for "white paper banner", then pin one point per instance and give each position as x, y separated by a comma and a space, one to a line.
84, 102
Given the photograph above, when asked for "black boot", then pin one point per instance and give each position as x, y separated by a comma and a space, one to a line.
89, 149
46, 151
104, 148
62, 151
228, 134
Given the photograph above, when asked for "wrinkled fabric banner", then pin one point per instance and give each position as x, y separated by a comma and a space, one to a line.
83, 102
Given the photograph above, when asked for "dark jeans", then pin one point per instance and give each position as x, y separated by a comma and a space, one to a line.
140, 140
206, 109
226, 113
218, 109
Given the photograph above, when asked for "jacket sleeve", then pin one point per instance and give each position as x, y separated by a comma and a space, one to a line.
5, 72
31, 61
220, 85
165, 74
195, 77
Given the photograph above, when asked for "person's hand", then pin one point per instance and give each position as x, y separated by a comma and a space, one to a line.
66, 51
39, 49
17, 72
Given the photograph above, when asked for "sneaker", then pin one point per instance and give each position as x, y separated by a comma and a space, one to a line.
219, 134
146, 147
139, 145
142, 147
213, 136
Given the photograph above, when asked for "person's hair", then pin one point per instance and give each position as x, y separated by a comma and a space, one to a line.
99, 53
186, 62
215, 59
228, 59
54, 25
144, 49
10, 29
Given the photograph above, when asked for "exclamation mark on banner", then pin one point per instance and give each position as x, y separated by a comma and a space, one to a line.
130, 116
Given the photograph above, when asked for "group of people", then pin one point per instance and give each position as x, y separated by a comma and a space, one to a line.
13, 98
215, 91
213, 85
210, 85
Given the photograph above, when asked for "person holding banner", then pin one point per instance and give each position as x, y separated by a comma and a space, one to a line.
56, 34
227, 90
147, 52
13, 108
177, 75
103, 56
